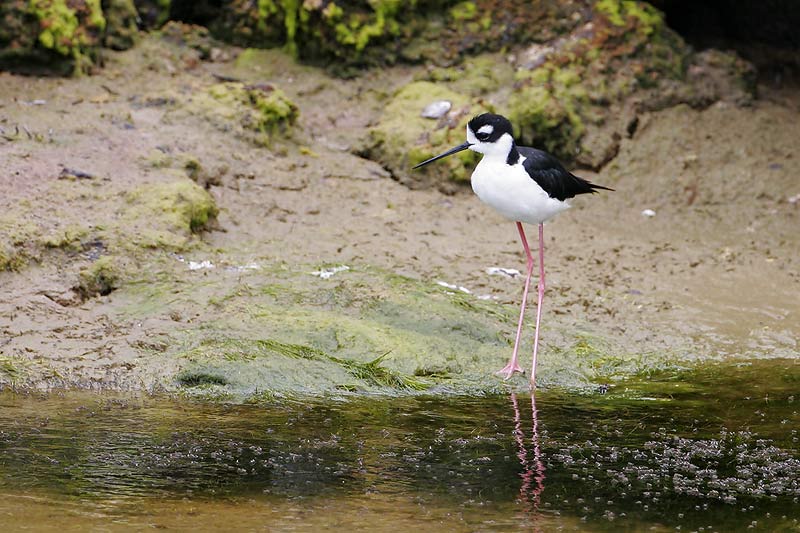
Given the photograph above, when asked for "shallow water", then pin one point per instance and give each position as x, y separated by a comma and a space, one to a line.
714, 449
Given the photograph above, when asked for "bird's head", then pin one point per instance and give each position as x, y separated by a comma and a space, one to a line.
488, 134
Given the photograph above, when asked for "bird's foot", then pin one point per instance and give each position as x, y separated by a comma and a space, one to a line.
508, 370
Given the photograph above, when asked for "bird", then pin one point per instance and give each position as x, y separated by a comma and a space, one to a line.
524, 185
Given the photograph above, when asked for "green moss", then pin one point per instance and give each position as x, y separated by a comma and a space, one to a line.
548, 109
618, 12
69, 237
100, 278
64, 32
257, 112
359, 31
16, 237
166, 214
121, 24
568, 103
291, 10
404, 138
463, 11
477, 76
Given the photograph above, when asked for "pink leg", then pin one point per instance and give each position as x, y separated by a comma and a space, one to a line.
539, 304
512, 365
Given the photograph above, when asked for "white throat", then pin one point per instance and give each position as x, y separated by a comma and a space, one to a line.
495, 150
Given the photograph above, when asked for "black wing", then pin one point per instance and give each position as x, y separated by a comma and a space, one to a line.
550, 175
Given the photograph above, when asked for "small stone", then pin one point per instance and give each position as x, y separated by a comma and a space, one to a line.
437, 109
648, 213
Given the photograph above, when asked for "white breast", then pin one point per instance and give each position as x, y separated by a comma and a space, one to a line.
514, 194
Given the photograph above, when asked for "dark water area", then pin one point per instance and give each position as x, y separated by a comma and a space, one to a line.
713, 449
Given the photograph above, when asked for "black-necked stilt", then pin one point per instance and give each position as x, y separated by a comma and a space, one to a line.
525, 185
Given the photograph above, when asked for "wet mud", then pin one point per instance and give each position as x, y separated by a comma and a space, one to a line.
148, 247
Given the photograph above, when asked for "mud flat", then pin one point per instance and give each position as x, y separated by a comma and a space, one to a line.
176, 222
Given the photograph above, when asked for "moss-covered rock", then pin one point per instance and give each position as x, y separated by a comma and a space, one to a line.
53, 34
100, 278
346, 34
476, 76
121, 29
577, 96
403, 137
153, 13
167, 214
256, 112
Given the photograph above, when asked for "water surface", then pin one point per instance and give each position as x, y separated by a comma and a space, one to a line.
714, 449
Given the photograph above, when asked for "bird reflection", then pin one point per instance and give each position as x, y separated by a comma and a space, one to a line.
530, 457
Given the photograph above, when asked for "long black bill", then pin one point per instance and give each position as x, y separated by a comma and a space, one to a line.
459, 148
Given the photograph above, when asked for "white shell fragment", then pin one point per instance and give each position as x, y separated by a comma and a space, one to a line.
326, 273
648, 213
499, 271
454, 287
194, 265
437, 109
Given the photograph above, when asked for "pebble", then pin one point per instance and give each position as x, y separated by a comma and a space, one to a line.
437, 109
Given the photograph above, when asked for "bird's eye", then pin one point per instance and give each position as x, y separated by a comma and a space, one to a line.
482, 136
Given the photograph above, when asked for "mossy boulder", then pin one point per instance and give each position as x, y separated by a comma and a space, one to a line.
166, 215
255, 112
577, 96
63, 36
50, 34
403, 137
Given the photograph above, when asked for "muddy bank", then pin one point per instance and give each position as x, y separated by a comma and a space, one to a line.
210, 232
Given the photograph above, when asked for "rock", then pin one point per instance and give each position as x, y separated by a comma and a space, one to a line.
153, 13
50, 35
121, 30
100, 278
165, 215
344, 36
437, 109
403, 137
579, 95
257, 112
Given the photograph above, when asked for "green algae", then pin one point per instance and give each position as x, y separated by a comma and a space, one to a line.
277, 331
9, 368
218, 362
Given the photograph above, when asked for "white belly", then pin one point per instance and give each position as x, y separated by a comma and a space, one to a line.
512, 193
